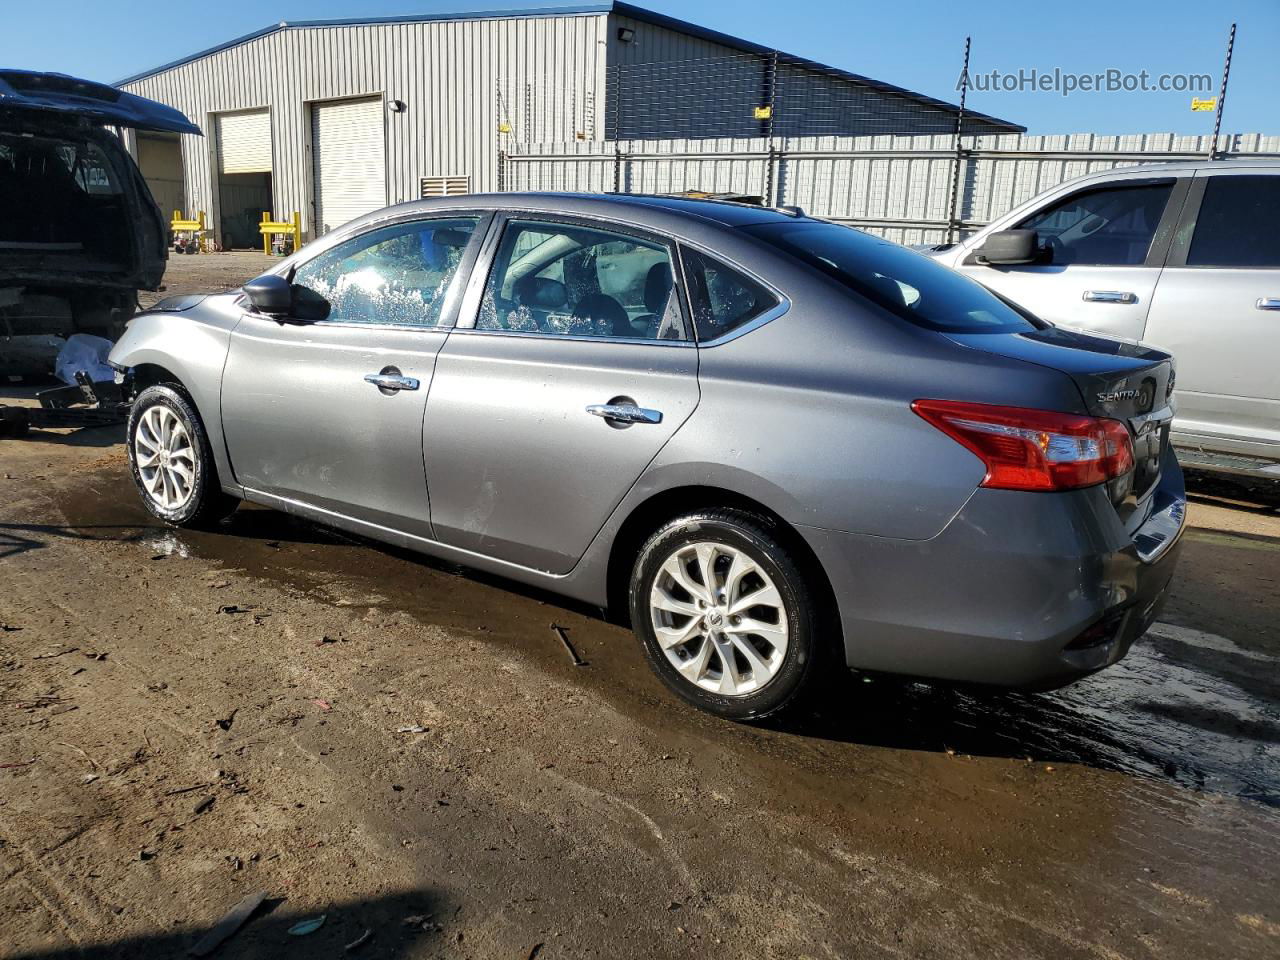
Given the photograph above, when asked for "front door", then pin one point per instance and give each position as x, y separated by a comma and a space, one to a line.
578, 367
1217, 310
329, 412
1101, 260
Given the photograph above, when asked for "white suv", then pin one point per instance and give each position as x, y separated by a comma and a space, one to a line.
1184, 257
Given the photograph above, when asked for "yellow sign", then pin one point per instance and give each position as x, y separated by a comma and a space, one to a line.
1203, 106
763, 113
504, 127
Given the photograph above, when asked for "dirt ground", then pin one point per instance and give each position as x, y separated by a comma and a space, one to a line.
405, 749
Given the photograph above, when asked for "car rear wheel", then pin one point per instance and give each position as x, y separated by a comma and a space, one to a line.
172, 462
725, 615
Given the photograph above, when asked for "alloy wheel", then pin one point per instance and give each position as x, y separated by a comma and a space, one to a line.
165, 457
719, 618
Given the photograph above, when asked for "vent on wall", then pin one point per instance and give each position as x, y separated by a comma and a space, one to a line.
445, 186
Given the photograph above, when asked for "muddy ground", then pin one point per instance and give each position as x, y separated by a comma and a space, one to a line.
188, 719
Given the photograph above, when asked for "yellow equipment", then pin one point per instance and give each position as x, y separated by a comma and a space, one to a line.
276, 233
189, 234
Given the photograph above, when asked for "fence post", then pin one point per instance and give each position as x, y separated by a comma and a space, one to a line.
953, 210
1222, 95
771, 90
617, 127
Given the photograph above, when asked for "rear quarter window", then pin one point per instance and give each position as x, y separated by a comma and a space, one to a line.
723, 298
907, 284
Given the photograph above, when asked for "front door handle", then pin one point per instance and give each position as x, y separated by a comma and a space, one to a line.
391, 380
1110, 296
1268, 303
624, 413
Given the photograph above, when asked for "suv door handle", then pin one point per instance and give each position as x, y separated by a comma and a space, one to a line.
1110, 296
1268, 303
624, 413
391, 381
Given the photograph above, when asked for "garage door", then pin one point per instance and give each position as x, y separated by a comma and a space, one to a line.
347, 155
244, 142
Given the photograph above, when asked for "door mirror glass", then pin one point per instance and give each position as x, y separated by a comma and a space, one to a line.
271, 295
1011, 247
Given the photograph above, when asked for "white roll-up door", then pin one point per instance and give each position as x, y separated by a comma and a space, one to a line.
244, 142
348, 159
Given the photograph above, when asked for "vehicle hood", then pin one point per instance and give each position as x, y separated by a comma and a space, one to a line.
61, 95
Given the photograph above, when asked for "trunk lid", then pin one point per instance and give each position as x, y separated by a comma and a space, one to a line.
1116, 379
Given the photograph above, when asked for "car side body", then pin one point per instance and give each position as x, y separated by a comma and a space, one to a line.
1182, 256
803, 416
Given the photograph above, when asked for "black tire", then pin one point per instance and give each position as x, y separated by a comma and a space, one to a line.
794, 679
205, 504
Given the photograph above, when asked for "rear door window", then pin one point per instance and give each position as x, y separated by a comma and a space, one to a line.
1113, 226
723, 298
1238, 224
570, 280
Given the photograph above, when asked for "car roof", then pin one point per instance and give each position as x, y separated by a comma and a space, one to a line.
638, 208
1156, 167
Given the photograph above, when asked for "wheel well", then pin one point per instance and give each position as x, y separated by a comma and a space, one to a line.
658, 509
149, 374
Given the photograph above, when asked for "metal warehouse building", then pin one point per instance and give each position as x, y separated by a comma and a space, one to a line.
337, 118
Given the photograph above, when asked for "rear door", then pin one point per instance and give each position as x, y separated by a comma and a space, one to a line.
1105, 246
1217, 309
329, 412
570, 369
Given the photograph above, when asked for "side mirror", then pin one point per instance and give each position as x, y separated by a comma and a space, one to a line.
270, 295
1010, 247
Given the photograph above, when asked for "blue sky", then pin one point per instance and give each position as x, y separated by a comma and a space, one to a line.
912, 43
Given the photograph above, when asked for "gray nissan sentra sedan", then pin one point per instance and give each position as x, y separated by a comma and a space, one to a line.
774, 443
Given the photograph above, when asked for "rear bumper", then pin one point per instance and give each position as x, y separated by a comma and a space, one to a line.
1027, 590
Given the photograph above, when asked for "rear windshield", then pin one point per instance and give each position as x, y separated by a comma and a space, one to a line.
906, 283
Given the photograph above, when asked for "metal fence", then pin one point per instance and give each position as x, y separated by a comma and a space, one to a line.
896, 186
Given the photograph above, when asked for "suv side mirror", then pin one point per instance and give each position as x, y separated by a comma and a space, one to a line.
270, 295
1010, 247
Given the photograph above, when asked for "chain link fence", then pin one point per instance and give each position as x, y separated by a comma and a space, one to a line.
780, 130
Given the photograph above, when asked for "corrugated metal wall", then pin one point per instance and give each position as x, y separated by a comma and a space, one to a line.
899, 187
447, 72
663, 83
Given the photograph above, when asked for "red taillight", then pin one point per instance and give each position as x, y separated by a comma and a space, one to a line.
1034, 449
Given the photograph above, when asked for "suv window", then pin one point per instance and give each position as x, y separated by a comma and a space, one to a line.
907, 284
399, 274
561, 279
723, 298
1111, 226
1237, 223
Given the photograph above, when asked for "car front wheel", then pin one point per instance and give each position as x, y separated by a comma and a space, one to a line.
725, 615
171, 461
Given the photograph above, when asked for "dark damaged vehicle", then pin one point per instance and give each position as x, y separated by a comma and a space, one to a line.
80, 234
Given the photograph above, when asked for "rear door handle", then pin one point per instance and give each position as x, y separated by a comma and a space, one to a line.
1110, 296
391, 381
624, 413
1268, 303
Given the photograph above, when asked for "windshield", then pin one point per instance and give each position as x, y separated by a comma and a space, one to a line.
905, 283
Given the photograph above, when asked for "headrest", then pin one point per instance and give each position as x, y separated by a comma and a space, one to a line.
657, 287
541, 293
450, 238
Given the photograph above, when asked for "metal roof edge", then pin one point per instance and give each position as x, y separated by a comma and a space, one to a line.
568, 10
624, 9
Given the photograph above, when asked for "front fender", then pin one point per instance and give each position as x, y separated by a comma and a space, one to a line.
194, 350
